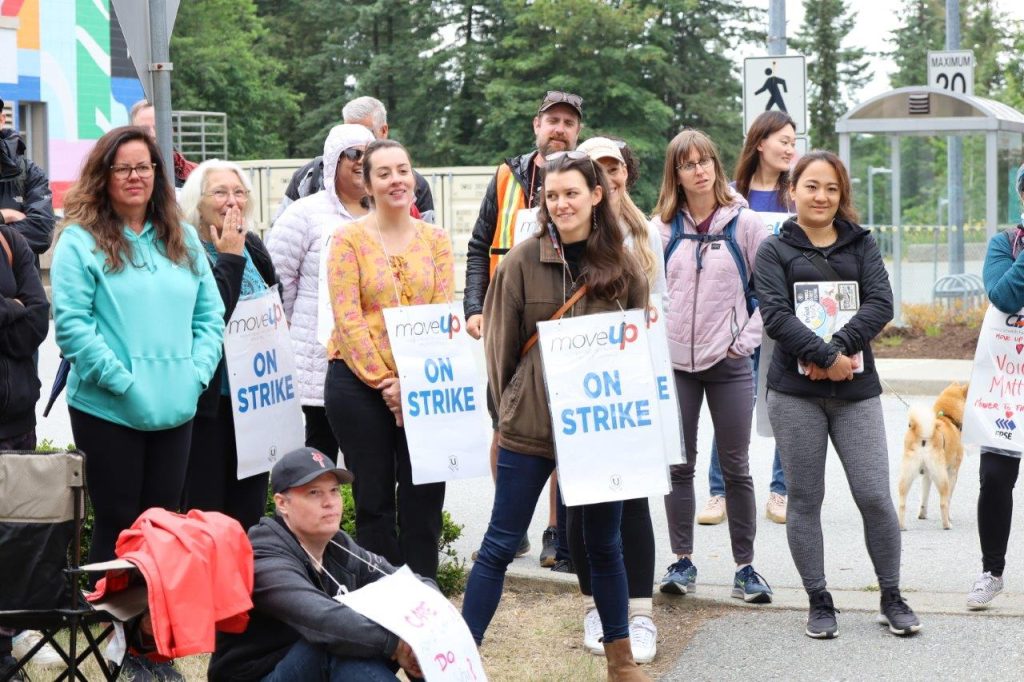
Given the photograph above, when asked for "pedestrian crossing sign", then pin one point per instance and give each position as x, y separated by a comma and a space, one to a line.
775, 83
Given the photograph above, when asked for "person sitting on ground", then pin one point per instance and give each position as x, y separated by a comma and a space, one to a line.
297, 631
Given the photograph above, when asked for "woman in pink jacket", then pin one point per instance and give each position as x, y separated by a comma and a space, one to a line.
711, 240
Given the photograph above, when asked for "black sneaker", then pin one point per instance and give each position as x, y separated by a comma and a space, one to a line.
563, 566
165, 672
7, 665
547, 550
136, 669
897, 614
821, 617
524, 547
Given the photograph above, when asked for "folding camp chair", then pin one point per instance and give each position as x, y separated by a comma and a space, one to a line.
42, 505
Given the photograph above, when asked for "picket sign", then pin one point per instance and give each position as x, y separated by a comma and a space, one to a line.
668, 400
324, 310
994, 412
773, 224
444, 404
604, 402
426, 620
773, 221
526, 225
263, 383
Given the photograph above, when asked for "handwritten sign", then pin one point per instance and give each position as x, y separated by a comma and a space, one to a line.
604, 398
994, 414
443, 401
426, 620
263, 383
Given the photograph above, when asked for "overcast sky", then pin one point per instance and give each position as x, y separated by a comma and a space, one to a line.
876, 20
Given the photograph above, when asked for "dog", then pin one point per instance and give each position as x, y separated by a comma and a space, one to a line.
932, 449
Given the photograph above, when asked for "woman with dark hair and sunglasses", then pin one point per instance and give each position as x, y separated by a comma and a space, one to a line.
297, 243
762, 178
580, 244
711, 240
137, 313
820, 390
385, 260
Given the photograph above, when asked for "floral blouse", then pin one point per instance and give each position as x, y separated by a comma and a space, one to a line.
361, 283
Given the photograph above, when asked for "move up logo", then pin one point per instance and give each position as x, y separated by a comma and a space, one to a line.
271, 317
617, 335
1015, 321
446, 325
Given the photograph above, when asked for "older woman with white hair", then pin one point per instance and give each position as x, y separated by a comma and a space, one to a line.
215, 199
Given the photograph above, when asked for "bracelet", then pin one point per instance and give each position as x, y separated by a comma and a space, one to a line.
834, 360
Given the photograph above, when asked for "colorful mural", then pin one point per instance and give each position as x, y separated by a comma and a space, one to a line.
71, 56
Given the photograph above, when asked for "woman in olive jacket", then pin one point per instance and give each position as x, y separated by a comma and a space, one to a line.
819, 390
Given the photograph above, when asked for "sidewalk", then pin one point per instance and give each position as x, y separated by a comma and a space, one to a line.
921, 377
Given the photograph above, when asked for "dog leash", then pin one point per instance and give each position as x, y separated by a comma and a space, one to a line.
892, 390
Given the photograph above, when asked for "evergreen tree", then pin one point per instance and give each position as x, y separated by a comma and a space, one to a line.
922, 28
834, 72
220, 65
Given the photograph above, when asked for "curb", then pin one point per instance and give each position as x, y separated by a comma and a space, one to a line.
788, 598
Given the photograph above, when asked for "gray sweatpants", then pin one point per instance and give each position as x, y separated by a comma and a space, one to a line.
729, 386
802, 428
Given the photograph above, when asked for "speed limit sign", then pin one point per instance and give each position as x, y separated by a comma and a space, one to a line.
952, 71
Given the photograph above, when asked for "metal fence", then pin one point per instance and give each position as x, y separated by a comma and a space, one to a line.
200, 135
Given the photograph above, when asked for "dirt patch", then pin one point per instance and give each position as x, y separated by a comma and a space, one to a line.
951, 342
534, 636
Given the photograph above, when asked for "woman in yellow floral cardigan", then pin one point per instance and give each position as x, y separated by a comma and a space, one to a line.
384, 260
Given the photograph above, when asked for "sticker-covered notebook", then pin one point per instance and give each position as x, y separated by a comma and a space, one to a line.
824, 307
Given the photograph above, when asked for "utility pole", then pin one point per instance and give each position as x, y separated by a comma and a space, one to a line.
777, 28
955, 159
160, 67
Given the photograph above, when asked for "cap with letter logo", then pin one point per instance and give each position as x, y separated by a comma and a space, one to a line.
301, 466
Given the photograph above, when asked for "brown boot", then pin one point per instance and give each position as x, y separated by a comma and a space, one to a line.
621, 666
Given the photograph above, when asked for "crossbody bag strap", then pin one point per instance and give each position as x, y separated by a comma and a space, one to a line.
7, 249
532, 341
813, 256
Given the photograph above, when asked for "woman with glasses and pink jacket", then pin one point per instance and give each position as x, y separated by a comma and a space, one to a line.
711, 240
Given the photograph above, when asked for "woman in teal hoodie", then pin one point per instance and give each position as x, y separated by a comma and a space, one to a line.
138, 315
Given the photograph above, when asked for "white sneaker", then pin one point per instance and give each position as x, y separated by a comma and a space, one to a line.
592, 632
713, 512
776, 509
643, 639
46, 656
985, 589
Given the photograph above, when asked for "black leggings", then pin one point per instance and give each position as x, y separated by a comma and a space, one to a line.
318, 431
212, 481
637, 548
127, 472
377, 454
998, 475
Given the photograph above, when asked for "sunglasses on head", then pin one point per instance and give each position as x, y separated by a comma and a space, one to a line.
567, 97
353, 153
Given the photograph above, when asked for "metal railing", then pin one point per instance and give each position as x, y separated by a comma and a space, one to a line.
200, 135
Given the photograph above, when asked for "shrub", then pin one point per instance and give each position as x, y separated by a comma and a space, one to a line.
930, 318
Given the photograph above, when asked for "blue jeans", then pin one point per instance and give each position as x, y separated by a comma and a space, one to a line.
305, 661
520, 481
716, 484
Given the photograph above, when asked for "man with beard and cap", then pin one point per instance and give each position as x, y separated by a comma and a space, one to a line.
302, 561
25, 201
508, 208
297, 242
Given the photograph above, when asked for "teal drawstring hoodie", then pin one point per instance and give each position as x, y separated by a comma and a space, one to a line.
143, 342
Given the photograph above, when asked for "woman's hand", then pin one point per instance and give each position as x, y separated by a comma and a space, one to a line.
391, 389
814, 372
841, 369
231, 237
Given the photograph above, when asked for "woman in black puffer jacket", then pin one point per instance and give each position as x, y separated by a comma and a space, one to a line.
820, 389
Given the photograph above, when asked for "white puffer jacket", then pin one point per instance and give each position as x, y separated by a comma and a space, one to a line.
295, 243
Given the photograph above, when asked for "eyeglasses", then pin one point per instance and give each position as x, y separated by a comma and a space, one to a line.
223, 194
690, 167
574, 155
143, 170
558, 96
353, 153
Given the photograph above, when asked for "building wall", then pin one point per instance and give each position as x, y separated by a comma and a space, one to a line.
70, 55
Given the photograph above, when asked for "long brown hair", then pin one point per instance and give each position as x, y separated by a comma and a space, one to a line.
607, 267
846, 210
764, 126
87, 203
671, 198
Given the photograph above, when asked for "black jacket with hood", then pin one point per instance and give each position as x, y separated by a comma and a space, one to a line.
292, 601
855, 257
478, 255
30, 194
24, 323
